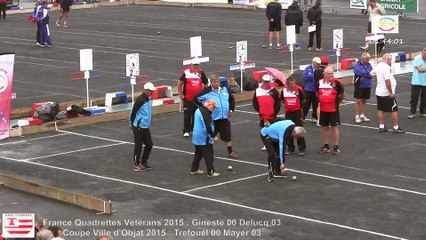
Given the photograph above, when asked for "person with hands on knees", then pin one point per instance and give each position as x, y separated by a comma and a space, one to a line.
203, 138
275, 137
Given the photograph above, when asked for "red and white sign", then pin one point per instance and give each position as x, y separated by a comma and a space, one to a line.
18, 225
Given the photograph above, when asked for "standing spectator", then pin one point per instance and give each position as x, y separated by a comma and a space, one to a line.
294, 16
330, 94
65, 12
190, 83
293, 98
385, 93
57, 232
222, 113
140, 121
273, 14
314, 17
310, 89
275, 138
203, 138
266, 102
41, 16
374, 9
319, 74
418, 85
3, 8
362, 85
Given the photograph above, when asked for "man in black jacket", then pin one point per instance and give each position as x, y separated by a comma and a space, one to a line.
314, 17
273, 14
294, 16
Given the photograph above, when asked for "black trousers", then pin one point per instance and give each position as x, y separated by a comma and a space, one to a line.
310, 98
205, 151
189, 108
38, 33
296, 117
273, 150
3, 10
142, 136
416, 92
318, 36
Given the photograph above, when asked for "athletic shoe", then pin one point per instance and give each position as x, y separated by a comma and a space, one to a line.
324, 150
383, 130
288, 152
147, 167
358, 120
319, 49
58, 24
399, 130
302, 153
309, 48
336, 151
38, 44
137, 168
297, 48
215, 174
318, 124
65, 25
263, 148
233, 155
186, 134
270, 46
365, 119
411, 116
198, 172
278, 46
314, 120
365, 48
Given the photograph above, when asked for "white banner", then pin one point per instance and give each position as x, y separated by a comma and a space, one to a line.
385, 24
358, 4
195, 45
86, 59
291, 34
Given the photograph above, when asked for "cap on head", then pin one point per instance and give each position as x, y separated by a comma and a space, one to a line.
195, 61
149, 86
211, 102
324, 60
266, 78
316, 60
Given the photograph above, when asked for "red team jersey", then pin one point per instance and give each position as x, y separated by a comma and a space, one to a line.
193, 83
292, 99
266, 102
328, 94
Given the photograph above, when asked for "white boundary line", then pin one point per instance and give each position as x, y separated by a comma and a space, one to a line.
216, 200
223, 183
265, 166
74, 151
32, 139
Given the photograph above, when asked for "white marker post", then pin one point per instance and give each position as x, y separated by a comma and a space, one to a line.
291, 40
338, 44
132, 70
241, 57
86, 65
196, 51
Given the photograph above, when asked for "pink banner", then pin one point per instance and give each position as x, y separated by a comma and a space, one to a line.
6, 79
